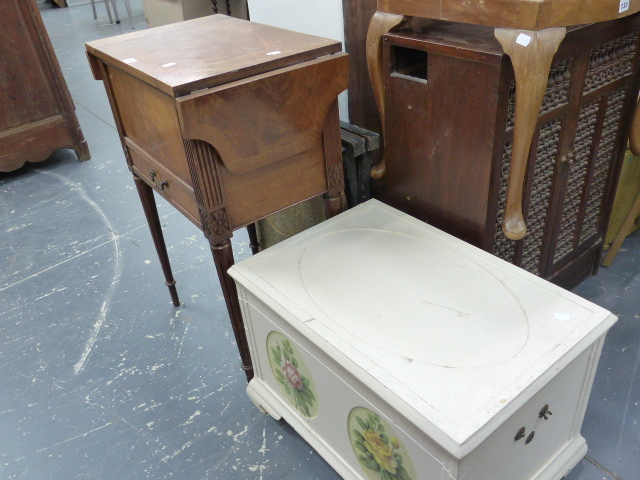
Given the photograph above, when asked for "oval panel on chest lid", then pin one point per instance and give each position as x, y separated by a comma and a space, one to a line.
405, 297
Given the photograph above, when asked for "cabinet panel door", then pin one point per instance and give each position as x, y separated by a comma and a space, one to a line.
528, 252
25, 90
593, 161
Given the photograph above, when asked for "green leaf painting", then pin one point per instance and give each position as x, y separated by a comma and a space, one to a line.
377, 448
291, 373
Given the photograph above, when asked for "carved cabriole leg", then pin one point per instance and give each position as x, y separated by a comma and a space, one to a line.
151, 212
333, 161
381, 23
531, 53
209, 191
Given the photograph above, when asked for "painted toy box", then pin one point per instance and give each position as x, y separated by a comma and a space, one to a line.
399, 352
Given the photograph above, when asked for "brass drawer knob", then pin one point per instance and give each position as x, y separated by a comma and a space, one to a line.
159, 186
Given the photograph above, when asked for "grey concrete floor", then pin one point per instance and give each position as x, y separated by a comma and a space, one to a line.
102, 378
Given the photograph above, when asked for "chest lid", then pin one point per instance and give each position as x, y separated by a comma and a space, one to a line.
440, 329
184, 57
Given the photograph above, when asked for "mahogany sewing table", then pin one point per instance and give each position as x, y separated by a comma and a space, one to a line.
229, 121
529, 32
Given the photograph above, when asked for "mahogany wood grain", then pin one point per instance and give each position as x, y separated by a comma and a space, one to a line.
159, 134
34, 141
37, 114
332, 150
223, 258
430, 173
176, 191
151, 212
299, 177
265, 118
334, 169
242, 50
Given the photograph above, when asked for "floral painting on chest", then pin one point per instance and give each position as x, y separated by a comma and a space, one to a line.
379, 451
292, 375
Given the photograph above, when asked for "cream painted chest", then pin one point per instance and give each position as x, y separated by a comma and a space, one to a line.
399, 352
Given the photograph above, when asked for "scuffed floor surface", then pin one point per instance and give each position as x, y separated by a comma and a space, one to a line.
102, 378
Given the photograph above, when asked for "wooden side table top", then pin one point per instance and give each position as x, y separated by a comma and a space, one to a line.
524, 14
206, 52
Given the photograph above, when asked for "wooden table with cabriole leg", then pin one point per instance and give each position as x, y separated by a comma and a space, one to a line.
229, 121
529, 32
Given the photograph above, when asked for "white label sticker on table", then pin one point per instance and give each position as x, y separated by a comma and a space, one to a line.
130, 60
170, 64
275, 52
624, 6
562, 316
523, 39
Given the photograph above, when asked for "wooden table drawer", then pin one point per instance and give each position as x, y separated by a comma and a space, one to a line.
171, 187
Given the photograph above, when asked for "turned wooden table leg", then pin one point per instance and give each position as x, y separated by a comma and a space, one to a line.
332, 204
531, 53
223, 258
381, 23
151, 212
254, 244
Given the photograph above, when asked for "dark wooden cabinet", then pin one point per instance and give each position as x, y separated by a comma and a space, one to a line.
37, 115
450, 96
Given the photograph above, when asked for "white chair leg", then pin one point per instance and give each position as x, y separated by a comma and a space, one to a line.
93, 7
128, 7
106, 4
115, 10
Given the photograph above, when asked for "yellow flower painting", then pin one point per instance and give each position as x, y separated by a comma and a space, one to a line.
377, 448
